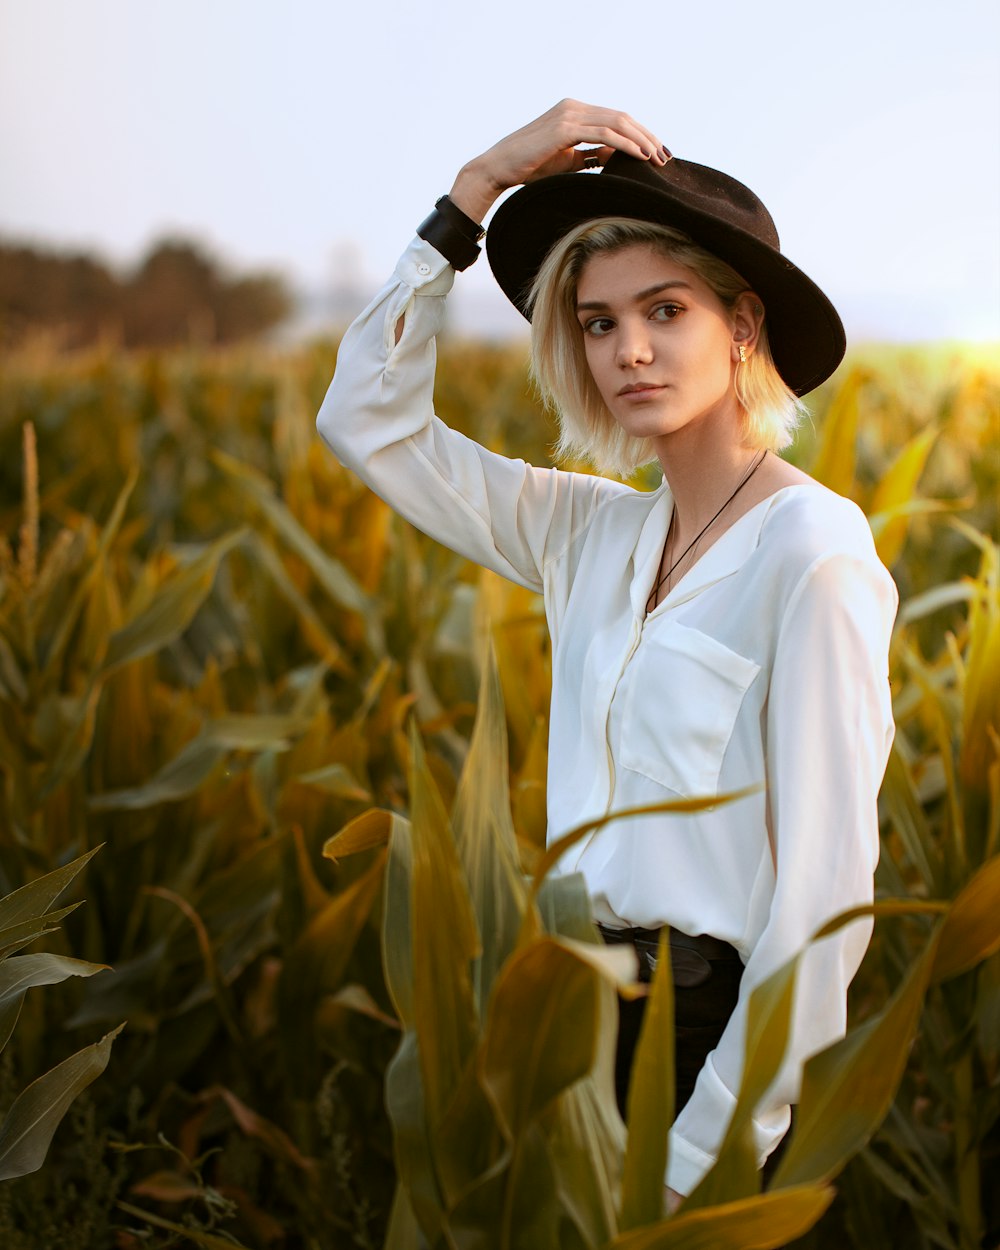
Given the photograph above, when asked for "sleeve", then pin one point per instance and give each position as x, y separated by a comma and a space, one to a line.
829, 728
378, 418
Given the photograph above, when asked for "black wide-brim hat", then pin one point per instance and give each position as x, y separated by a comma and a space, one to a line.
720, 214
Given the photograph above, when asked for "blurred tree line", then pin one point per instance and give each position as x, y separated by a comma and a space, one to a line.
177, 294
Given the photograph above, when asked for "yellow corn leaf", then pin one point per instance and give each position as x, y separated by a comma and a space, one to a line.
837, 455
971, 929
650, 1102
981, 711
171, 609
763, 1222
896, 489
555, 851
769, 1017
397, 924
364, 832
848, 1088
95, 574
528, 797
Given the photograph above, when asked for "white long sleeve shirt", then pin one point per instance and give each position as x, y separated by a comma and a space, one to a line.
767, 662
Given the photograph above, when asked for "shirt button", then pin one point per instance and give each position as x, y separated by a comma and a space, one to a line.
423, 270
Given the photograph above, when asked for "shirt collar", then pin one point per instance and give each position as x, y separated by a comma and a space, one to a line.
726, 555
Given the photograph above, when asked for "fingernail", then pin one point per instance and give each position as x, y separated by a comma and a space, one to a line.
646, 154
666, 155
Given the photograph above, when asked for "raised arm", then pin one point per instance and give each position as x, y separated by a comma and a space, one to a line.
378, 414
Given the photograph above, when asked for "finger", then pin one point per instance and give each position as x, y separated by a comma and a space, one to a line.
592, 158
621, 131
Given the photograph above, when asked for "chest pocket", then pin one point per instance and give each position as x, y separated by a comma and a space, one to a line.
682, 703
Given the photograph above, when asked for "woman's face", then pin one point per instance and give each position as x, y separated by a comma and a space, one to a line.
659, 342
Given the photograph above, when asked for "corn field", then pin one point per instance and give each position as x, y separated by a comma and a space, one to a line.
281, 965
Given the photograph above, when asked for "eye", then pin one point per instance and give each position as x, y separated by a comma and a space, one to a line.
666, 312
597, 327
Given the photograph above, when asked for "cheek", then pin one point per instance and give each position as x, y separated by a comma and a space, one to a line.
597, 364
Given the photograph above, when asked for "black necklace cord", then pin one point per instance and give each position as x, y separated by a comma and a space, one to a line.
739, 486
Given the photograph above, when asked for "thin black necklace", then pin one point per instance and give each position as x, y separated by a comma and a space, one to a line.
739, 486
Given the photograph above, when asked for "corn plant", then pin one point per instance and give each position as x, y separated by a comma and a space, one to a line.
27, 915
501, 1091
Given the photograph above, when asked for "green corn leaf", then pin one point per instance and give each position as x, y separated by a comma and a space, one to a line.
650, 1101
196, 1235
403, 1232
397, 919
524, 1068
406, 1104
910, 821
445, 942
16, 936
484, 832
171, 609
25, 972
256, 733
30, 1123
336, 780
32, 901
19, 975
178, 779
313, 627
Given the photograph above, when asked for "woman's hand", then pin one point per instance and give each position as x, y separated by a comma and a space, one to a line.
548, 146
671, 1199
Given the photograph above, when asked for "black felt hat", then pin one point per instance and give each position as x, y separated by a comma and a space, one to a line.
720, 214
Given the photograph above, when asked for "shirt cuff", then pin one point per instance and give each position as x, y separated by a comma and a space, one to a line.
698, 1131
424, 269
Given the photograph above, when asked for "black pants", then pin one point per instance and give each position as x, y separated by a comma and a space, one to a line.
701, 1012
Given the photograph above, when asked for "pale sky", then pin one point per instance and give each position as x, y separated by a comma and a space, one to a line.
314, 135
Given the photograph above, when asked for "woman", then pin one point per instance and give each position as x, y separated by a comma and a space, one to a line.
728, 629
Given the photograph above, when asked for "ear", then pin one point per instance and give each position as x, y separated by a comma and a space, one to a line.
747, 317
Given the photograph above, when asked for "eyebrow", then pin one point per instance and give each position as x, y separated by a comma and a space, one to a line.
591, 305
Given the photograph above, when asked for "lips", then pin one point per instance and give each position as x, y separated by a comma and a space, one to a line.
641, 388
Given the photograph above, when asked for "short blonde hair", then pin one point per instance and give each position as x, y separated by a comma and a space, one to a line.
770, 409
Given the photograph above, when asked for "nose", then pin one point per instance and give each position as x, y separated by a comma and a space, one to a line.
634, 346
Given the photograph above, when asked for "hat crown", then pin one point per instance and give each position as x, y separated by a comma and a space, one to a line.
717, 212
707, 190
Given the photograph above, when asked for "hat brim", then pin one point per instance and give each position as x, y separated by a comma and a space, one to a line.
805, 332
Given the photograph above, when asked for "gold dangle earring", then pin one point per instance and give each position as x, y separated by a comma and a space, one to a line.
743, 354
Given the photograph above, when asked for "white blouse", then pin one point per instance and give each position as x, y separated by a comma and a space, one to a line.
767, 662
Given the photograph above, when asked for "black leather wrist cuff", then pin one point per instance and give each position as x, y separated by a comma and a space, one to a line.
452, 233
